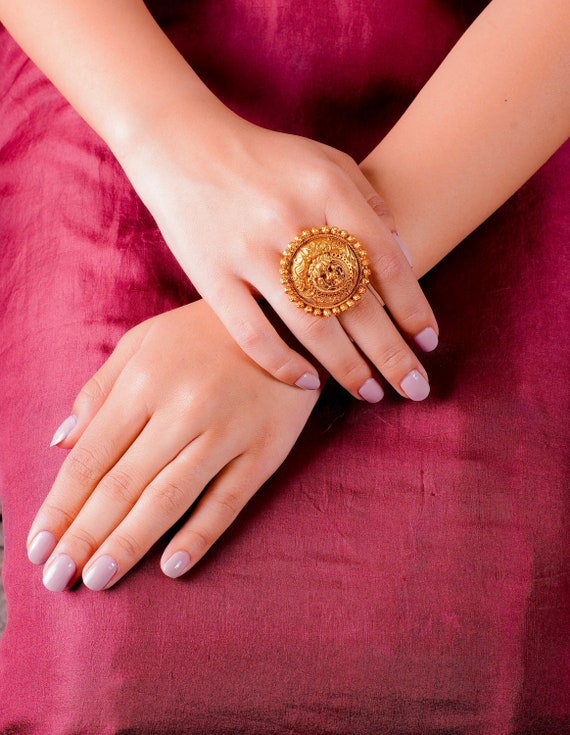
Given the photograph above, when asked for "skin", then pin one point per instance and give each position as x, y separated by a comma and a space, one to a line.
475, 150
179, 144
162, 418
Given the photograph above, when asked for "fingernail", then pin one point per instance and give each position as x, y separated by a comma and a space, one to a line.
426, 339
58, 574
415, 386
308, 381
178, 564
101, 573
64, 430
371, 391
41, 547
404, 249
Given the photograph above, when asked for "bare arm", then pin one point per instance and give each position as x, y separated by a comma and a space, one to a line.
114, 65
198, 167
495, 110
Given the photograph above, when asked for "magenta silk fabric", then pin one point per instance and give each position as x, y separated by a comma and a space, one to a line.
406, 570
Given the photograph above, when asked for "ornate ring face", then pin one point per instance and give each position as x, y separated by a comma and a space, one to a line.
324, 271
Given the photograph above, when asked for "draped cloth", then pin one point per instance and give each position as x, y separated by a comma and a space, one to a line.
406, 570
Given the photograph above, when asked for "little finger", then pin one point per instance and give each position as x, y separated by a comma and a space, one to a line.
391, 274
216, 510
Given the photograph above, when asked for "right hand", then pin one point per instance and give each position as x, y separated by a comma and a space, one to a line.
228, 197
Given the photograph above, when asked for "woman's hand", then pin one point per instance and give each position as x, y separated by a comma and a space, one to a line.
176, 414
230, 196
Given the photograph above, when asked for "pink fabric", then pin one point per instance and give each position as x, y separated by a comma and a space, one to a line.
406, 570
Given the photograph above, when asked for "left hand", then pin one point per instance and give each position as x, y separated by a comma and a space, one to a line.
178, 412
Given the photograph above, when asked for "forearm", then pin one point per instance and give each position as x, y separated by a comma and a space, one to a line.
492, 114
114, 64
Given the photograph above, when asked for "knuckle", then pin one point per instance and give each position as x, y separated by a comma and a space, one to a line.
352, 375
395, 360
118, 486
137, 378
202, 539
229, 503
346, 160
286, 368
417, 314
248, 335
130, 547
312, 329
278, 213
82, 539
388, 267
171, 499
379, 205
83, 465
325, 180
56, 516
92, 392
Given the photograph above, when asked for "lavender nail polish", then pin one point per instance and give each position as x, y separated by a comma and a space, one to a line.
415, 386
101, 573
371, 391
63, 431
59, 573
403, 248
308, 381
41, 547
426, 339
177, 565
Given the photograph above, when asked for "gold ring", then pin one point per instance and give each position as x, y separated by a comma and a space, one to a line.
324, 271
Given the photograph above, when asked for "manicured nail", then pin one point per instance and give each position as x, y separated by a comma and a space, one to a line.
58, 574
178, 564
41, 547
101, 573
404, 249
308, 381
371, 391
426, 339
415, 386
64, 430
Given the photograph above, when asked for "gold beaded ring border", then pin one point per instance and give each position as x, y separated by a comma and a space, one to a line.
324, 271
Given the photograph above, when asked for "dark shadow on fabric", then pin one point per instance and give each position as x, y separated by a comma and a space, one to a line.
467, 10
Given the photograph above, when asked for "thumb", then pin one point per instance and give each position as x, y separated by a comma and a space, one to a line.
94, 393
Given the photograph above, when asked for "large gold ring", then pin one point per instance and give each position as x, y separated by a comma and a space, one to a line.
324, 271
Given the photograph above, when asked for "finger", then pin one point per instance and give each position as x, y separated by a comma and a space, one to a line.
164, 501
103, 442
381, 210
376, 335
367, 191
391, 274
117, 492
252, 331
93, 394
327, 340
216, 510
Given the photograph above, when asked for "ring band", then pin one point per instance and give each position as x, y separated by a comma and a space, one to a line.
324, 271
